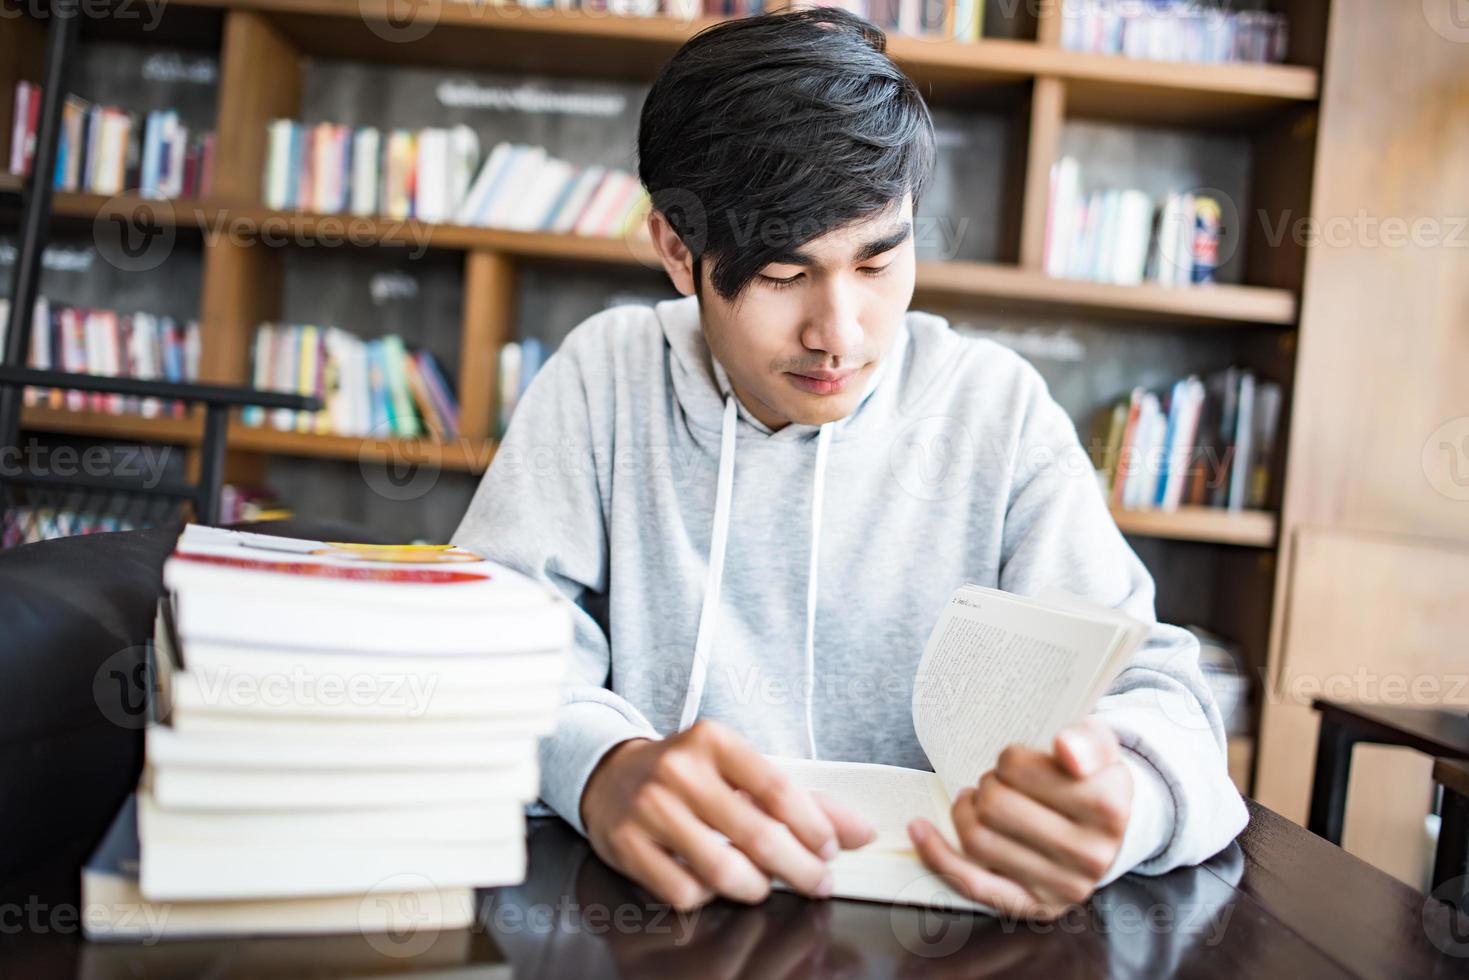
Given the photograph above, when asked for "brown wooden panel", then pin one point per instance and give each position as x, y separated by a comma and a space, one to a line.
1047, 113
1372, 618
260, 80
489, 318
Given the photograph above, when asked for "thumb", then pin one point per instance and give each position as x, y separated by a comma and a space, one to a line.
1086, 747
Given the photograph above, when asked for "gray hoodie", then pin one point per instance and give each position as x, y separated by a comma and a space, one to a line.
784, 583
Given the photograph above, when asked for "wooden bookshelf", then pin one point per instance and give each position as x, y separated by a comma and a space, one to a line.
1248, 528
990, 284
1031, 85
609, 46
459, 455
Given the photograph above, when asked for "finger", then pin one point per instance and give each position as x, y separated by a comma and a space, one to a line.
711, 859
774, 792
1006, 856
656, 870
765, 842
1040, 828
967, 877
1100, 801
1086, 747
852, 830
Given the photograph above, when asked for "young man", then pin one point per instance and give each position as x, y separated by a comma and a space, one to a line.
761, 495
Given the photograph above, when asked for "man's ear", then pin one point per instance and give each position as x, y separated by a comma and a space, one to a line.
677, 260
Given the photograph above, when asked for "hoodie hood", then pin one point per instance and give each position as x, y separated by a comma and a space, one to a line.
701, 386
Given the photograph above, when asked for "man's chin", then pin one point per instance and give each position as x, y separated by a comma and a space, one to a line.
821, 409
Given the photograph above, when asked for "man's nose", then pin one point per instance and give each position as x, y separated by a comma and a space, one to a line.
832, 323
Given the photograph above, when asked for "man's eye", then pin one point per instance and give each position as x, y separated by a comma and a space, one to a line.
777, 283
875, 270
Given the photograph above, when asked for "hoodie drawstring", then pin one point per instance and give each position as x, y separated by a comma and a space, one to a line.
713, 580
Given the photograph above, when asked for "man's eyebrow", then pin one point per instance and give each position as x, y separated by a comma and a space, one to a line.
868, 250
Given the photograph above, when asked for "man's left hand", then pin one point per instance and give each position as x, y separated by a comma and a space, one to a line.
1041, 829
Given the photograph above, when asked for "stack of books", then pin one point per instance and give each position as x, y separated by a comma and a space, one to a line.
435, 175
1174, 30
344, 739
1124, 236
369, 387
118, 345
106, 150
1205, 442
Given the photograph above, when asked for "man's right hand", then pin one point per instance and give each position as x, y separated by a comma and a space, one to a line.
655, 810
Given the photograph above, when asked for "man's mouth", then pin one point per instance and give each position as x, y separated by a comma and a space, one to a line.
822, 382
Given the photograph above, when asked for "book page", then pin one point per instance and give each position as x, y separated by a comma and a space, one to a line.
1001, 669
888, 797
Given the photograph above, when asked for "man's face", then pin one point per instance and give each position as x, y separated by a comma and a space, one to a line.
802, 341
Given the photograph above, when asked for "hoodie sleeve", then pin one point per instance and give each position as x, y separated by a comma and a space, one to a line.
1059, 532
539, 509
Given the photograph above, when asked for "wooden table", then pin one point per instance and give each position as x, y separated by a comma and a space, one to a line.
1435, 732
1280, 902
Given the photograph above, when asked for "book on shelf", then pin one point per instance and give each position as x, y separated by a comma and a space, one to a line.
368, 387
112, 344
80, 511
1123, 236
107, 150
997, 669
327, 718
1204, 442
961, 20
1174, 30
437, 175
517, 362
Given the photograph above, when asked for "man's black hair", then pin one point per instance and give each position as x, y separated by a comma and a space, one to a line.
766, 132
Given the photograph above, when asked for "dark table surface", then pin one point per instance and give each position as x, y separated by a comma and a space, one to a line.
1278, 902
1435, 731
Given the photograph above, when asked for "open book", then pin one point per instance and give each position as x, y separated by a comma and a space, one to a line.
998, 669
